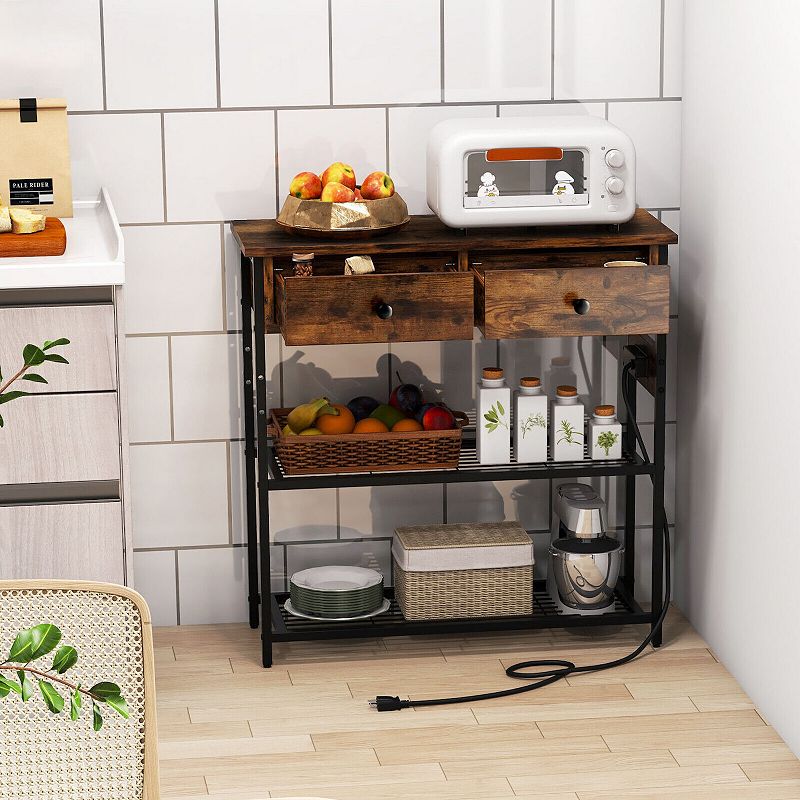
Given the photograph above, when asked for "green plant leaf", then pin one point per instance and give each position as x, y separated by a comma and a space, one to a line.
45, 638
9, 396
32, 376
33, 355
1, 422
97, 717
57, 358
65, 658
22, 648
27, 685
102, 691
117, 702
75, 705
57, 343
500, 408
53, 700
7, 686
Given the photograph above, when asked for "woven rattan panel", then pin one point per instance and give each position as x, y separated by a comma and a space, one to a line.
466, 534
48, 757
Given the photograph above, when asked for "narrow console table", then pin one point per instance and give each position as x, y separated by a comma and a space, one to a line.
438, 284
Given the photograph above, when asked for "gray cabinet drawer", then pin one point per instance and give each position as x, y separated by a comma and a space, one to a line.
91, 352
66, 437
73, 541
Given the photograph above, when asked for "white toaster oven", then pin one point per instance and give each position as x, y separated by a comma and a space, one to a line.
567, 170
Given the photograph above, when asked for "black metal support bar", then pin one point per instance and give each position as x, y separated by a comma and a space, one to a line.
260, 346
629, 443
658, 459
248, 411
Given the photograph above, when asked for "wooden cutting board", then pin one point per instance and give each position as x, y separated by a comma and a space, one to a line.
52, 241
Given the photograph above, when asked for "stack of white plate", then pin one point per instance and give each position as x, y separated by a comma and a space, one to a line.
336, 594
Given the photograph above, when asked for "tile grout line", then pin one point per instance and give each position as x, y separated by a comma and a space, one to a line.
171, 393
177, 591
103, 54
330, 50
216, 54
163, 167
661, 49
552, 50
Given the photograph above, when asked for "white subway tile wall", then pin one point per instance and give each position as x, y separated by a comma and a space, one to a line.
202, 114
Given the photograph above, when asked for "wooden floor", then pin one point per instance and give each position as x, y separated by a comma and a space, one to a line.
674, 724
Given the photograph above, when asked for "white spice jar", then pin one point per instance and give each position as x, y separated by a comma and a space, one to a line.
530, 422
605, 434
566, 428
494, 418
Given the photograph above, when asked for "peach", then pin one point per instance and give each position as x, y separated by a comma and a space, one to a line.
337, 193
339, 173
377, 185
306, 186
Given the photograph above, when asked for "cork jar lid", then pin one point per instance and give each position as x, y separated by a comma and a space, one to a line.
566, 391
492, 373
530, 382
604, 411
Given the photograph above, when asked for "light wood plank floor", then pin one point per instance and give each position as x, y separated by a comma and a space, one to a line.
672, 725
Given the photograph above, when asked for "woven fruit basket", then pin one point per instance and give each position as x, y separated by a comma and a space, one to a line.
365, 452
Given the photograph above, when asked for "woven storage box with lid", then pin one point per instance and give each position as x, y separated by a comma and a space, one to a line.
465, 570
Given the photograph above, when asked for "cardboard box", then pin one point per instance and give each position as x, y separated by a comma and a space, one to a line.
34, 156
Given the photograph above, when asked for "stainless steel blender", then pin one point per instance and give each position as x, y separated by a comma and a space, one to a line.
584, 561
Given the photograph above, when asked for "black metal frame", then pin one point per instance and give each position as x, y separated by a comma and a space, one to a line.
264, 475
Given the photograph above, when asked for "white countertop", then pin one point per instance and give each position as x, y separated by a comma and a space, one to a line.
95, 254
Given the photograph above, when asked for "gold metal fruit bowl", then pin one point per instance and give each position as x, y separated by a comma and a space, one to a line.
348, 220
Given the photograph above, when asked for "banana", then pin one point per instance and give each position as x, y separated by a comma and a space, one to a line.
287, 431
304, 416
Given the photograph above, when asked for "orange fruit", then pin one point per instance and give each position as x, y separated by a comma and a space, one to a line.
406, 425
370, 425
343, 422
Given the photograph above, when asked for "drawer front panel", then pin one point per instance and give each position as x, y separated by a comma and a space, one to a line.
348, 309
73, 541
91, 354
65, 437
546, 302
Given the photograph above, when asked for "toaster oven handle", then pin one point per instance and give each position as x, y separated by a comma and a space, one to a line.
382, 309
581, 306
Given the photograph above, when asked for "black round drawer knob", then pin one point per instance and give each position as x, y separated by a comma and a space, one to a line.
581, 306
383, 310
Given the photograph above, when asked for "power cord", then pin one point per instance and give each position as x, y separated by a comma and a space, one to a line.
552, 670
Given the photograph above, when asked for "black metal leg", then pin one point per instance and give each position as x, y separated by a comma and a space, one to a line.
630, 491
249, 442
260, 345
659, 517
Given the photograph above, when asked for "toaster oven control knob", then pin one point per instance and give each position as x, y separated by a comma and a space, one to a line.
615, 185
615, 158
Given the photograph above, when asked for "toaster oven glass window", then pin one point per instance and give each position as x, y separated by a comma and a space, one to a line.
523, 176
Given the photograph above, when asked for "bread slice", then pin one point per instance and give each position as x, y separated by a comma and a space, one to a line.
5, 219
25, 221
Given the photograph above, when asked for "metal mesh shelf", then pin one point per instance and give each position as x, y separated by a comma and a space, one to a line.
287, 627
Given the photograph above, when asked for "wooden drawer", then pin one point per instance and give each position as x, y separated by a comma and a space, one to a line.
64, 437
70, 541
400, 307
521, 303
91, 352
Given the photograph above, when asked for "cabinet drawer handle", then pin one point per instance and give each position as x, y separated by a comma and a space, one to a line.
581, 306
383, 310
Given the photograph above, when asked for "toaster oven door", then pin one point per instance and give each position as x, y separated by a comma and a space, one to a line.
516, 177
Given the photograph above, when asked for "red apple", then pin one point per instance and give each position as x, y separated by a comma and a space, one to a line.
306, 186
377, 185
438, 418
336, 193
359, 196
339, 173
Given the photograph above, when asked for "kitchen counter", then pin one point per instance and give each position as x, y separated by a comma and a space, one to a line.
95, 254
